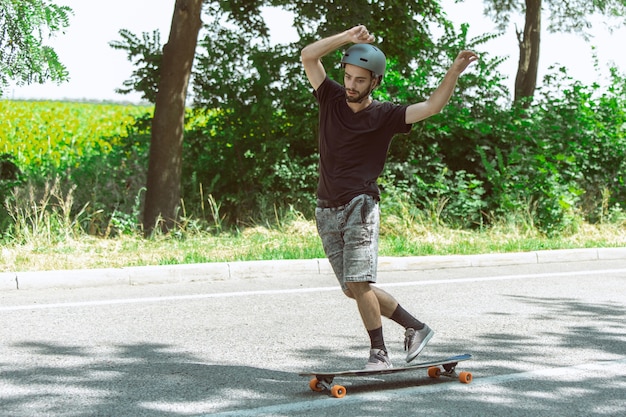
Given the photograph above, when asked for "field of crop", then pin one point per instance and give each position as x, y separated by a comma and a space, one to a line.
48, 135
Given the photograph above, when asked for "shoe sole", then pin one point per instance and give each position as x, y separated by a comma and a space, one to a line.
421, 347
381, 366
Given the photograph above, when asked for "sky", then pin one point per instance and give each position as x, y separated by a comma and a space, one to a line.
96, 69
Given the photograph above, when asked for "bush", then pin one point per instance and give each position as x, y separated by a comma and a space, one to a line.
250, 149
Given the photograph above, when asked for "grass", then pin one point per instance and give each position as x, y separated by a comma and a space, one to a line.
47, 234
294, 240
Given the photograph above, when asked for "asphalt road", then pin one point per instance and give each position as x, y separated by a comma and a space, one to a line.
546, 339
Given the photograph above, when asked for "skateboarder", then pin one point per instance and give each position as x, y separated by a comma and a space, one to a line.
354, 136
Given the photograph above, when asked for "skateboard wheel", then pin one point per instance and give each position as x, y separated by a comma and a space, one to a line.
314, 385
434, 372
465, 377
338, 391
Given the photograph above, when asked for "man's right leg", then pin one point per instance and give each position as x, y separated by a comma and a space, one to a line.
417, 334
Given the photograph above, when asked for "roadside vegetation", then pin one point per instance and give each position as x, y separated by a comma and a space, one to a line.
55, 246
46, 231
486, 175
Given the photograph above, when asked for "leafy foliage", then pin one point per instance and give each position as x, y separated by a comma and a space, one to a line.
562, 159
250, 150
146, 54
247, 152
24, 26
571, 16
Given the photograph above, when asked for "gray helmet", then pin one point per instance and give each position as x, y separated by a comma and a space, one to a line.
366, 56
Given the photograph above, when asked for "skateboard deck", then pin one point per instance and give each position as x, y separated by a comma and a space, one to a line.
323, 380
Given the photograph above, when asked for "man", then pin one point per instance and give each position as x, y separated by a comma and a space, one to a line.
354, 137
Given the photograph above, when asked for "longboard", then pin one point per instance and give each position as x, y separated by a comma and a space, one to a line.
323, 380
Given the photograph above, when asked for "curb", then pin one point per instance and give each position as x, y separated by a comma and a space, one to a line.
180, 274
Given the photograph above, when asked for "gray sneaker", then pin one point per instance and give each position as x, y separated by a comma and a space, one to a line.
415, 341
378, 361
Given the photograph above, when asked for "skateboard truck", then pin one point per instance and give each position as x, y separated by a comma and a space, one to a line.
326, 383
449, 370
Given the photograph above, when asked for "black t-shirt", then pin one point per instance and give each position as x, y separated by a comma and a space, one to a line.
353, 146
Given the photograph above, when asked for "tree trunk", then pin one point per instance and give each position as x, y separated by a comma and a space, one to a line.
166, 144
526, 79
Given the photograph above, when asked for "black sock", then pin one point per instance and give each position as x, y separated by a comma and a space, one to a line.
376, 339
404, 319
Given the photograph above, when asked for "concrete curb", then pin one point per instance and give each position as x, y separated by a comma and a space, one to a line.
241, 270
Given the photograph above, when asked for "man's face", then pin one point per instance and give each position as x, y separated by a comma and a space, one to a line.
358, 83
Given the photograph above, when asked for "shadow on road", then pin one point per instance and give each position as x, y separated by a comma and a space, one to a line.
161, 380
139, 379
537, 368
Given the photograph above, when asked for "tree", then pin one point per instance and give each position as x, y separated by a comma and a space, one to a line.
165, 160
24, 25
529, 41
256, 119
564, 16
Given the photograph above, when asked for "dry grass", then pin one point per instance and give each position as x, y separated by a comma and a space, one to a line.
46, 235
295, 240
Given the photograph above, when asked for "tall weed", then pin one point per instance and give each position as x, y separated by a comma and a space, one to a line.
44, 215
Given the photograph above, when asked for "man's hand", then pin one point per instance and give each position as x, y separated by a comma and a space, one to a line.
462, 61
360, 34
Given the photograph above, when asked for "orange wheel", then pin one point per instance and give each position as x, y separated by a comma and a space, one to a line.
338, 391
465, 377
314, 385
434, 372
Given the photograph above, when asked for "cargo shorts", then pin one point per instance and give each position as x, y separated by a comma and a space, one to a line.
349, 235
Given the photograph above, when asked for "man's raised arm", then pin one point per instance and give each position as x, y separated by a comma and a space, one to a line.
440, 97
311, 54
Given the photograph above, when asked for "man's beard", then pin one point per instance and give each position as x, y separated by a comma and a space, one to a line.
357, 99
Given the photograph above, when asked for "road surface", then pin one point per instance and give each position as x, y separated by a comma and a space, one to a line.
547, 339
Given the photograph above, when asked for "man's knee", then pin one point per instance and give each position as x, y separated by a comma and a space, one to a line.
348, 293
357, 288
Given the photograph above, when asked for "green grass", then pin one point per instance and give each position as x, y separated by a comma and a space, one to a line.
294, 240
48, 233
